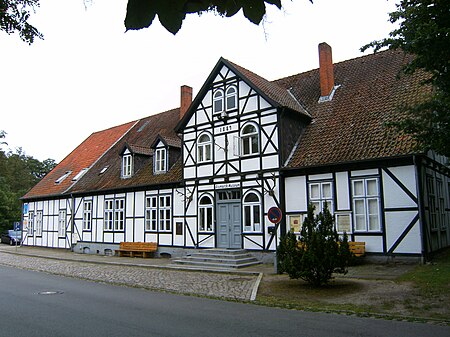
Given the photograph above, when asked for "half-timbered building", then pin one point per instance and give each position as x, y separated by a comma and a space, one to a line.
206, 174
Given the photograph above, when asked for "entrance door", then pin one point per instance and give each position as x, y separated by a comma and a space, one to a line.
229, 225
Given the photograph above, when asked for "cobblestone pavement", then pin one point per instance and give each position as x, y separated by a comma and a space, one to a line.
221, 285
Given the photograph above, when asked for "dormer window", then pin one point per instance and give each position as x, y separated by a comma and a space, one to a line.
80, 174
231, 98
64, 176
127, 164
218, 101
160, 160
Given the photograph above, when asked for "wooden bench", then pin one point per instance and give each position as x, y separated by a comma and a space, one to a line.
357, 248
137, 249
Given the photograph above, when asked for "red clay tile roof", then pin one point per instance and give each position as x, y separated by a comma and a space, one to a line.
84, 156
142, 135
278, 94
352, 126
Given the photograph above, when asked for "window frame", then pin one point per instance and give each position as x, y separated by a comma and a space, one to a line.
204, 148
165, 213
206, 214
321, 199
38, 223
87, 215
30, 225
250, 206
233, 96
108, 220
151, 213
119, 215
160, 160
366, 198
248, 137
216, 99
62, 223
127, 165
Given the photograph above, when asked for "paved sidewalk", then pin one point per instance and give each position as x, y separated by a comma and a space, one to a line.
154, 274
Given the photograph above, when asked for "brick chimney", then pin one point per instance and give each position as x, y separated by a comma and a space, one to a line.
326, 70
186, 99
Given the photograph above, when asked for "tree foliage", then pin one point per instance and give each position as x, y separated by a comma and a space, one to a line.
14, 18
424, 31
318, 254
18, 173
171, 13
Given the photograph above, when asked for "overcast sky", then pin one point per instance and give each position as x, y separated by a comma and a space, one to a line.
88, 74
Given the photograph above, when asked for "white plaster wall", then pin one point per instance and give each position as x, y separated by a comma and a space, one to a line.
374, 244
296, 194
342, 191
396, 223
394, 196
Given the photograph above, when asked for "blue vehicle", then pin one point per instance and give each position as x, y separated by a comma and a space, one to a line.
12, 237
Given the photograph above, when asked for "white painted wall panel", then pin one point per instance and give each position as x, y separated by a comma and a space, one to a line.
324, 176
396, 223
394, 196
342, 191
296, 194
250, 245
374, 244
263, 103
129, 230
250, 164
252, 104
165, 239
208, 243
139, 230
369, 172
205, 171
139, 204
270, 162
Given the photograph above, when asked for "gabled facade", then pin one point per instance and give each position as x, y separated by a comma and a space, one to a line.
206, 175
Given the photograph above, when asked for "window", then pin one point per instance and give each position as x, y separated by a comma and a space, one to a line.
204, 148
320, 193
127, 166
62, 223
87, 215
252, 212
39, 223
80, 174
231, 98
205, 210
119, 214
218, 101
441, 202
151, 213
160, 160
366, 204
109, 211
343, 223
64, 176
250, 139
432, 214
165, 213
30, 223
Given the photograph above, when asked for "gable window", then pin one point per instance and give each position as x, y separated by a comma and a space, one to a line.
205, 210
319, 194
250, 139
160, 160
62, 223
165, 213
231, 98
87, 215
366, 204
252, 212
127, 165
39, 223
218, 101
151, 213
204, 148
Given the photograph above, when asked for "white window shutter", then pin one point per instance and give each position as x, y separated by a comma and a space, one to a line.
236, 146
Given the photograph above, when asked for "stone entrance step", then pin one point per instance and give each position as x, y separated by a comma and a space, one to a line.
218, 259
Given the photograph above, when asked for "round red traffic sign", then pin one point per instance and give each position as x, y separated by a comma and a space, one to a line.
274, 214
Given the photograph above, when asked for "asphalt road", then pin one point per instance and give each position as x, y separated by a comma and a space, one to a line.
39, 304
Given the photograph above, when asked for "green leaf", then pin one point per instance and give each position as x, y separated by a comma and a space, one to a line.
254, 10
140, 14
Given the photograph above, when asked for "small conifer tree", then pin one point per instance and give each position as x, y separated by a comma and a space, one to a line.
318, 254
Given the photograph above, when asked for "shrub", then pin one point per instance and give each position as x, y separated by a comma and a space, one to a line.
318, 254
